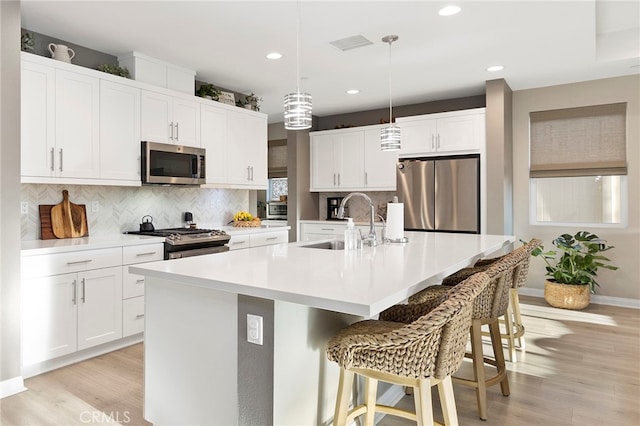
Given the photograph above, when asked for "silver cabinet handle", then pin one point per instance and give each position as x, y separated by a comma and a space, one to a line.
61, 159
79, 262
327, 229
334, 179
338, 179
251, 173
366, 178
140, 281
52, 158
75, 292
149, 253
238, 242
433, 143
139, 316
171, 134
438, 140
84, 292
272, 238
248, 172
177, 132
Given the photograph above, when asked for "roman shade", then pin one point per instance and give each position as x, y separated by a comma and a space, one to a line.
583, 141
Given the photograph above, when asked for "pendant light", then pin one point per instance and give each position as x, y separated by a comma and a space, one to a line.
390, 135
297, 106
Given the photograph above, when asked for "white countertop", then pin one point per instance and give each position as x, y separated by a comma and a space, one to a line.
362, 282
37, 247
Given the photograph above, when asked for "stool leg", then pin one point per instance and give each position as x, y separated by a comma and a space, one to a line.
515, 298
370, 390
496, 342
478, 367
509, 325
342, 399
422, 398
448, 402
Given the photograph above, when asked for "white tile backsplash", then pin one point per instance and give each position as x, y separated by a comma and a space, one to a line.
121, 208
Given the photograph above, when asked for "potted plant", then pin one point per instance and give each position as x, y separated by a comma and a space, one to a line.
208, 91
252, 102
572, 276
115, 70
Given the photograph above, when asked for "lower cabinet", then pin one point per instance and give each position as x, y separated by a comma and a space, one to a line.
258, 239
65, 313
323, 231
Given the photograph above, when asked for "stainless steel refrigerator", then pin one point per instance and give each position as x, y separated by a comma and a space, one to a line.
440, 193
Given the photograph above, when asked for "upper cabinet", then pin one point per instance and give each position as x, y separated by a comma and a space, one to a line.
351, 159
443, 133
213, 138
170, 119
247, 149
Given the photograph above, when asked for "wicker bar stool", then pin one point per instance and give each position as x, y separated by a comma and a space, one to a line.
415, 348
488, 307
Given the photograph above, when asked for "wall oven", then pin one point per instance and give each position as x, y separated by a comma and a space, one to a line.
168, 164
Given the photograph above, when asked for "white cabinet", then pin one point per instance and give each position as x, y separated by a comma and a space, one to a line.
70, 301
335, 230
351, 159
443, 133
337, 161
77, 125
37, 120
213, 138
247, 149
119, 132
169, 119
59, 123
133, 285
257, 239
379, 165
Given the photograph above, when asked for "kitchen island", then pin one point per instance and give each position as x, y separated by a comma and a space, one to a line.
199, 367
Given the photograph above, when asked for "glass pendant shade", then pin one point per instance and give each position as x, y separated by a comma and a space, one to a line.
390, 138
297, 111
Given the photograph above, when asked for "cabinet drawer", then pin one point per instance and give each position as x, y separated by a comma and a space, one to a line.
268, 238
239, 242
132, 316
323, 228
142, 253
132, 284
64, 263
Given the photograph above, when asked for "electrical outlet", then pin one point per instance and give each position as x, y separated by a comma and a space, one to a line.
95, 206
24, 207
254, 329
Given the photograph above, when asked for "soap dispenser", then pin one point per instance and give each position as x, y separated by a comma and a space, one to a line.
350, 235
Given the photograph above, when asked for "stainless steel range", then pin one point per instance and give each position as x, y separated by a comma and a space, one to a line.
187, 242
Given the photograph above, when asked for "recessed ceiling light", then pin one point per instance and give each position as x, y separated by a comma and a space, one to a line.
274, 55
449, 10
353, 91
495, 68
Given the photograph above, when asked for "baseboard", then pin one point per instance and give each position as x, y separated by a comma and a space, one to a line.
595, 298
63, 361
11, 386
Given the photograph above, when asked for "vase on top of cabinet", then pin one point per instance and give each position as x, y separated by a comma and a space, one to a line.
60, 52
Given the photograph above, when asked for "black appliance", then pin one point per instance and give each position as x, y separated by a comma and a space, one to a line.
187, 242
333, 203
168, 164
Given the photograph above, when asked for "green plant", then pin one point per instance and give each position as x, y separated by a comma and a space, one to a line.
253, 100
207, 89
579, 261
27, 42
115, 70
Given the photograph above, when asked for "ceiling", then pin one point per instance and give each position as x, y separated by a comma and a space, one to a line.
539, 43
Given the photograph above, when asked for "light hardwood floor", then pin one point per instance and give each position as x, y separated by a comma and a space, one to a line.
578, 368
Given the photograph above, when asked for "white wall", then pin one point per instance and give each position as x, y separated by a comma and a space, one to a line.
626, 255
9, 196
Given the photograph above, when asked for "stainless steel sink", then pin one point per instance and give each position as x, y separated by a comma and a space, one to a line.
327, 245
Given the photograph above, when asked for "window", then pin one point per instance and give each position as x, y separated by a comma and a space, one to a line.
578, 166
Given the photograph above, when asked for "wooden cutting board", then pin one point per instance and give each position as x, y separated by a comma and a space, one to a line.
65, 220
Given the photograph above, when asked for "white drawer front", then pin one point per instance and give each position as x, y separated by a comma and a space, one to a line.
142, 253
132, 284
132, 316
64, 263
325, 229
239, 242
268, 238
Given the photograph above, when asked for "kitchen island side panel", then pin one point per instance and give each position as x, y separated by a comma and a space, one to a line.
190, 333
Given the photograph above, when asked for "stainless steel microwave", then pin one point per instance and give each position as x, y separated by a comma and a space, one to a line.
168, 164
277, 210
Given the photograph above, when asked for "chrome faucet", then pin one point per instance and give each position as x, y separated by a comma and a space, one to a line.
369, 239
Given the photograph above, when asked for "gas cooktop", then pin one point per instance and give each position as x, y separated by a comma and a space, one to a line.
182, 236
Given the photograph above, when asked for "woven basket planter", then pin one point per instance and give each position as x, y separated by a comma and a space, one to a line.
567, 296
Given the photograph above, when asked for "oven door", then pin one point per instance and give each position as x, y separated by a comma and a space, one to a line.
277, 210
172, 164
196, 252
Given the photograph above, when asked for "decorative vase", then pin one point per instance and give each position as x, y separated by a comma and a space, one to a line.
61, 52
567, 296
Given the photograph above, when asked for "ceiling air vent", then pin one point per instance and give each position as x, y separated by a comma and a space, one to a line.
352, 42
